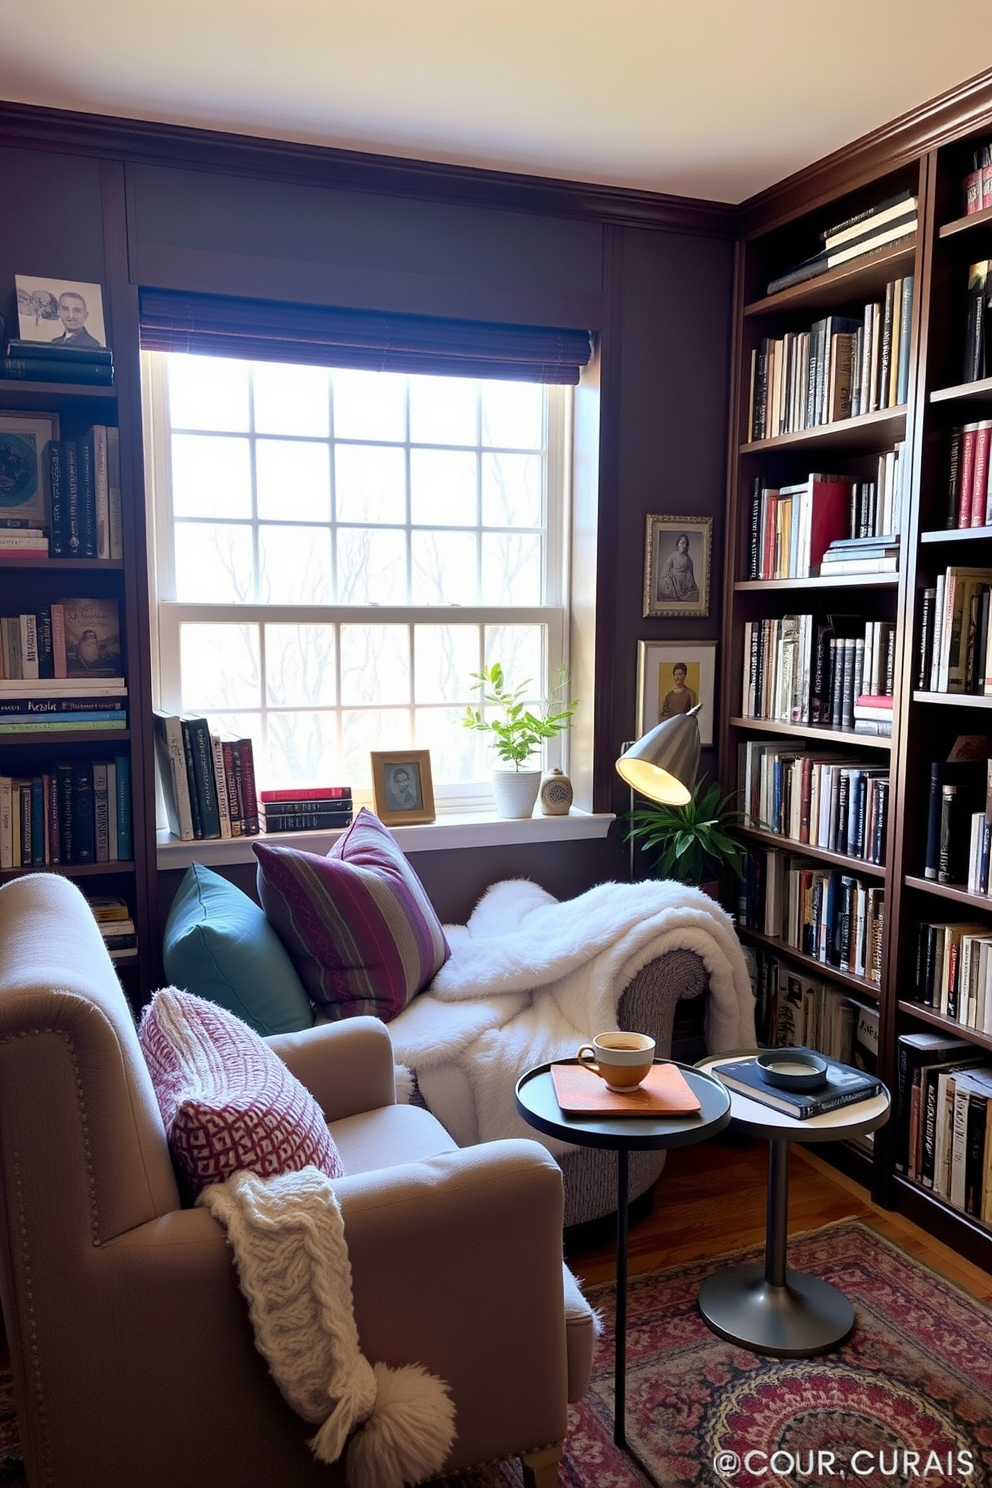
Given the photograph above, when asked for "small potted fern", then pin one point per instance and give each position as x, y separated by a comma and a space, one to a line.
518, 733
695, 843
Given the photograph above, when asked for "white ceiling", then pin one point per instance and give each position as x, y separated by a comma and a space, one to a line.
715, 99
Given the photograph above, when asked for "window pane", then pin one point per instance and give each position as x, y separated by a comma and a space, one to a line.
208, 393
220, 667
300, 665
295, 565
443, 410
370, 484
210, 477
445, 656
371, 566
519, 650
512, 414
375, 664
370, 729
214, 564
456, 752
293, 480
369, 405
303, 749
291, 400
511, 490
511, 569
443, 488
443, 567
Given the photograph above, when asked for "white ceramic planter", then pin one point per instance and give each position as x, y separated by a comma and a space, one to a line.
516, 792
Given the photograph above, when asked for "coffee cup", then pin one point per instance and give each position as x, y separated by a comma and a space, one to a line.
621, 1059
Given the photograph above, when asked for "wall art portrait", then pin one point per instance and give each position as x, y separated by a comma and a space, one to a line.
402, 789
60, 312
672, 677
677, 565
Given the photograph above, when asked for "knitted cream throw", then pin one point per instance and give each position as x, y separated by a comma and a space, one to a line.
287, 1234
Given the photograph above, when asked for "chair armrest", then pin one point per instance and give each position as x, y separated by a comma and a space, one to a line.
648, 1002
346, 1066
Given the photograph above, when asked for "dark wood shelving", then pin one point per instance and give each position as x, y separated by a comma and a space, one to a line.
949, 1025
14, 390
956, 892
859, 277
856, 434
68, 870
841, 581
964, 392
45, 565
812, 731
861, 985
823, 854
964, 224
53, 738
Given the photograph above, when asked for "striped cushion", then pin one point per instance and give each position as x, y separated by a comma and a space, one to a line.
228, 1102
358, 926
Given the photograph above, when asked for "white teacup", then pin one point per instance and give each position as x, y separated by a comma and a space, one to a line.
621, 1059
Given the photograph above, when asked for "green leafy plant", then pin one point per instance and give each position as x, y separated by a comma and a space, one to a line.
696, 840
519, 732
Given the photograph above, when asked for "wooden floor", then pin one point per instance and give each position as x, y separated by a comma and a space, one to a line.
711, 1199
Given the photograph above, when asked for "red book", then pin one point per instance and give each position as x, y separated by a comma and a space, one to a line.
245, 770
967, 475
980, 475
829, 521
307, 793
770, 500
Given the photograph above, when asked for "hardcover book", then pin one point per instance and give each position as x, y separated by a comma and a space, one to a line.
92, 637
844, 1086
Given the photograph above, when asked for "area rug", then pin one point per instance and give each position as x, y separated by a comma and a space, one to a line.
906, 1401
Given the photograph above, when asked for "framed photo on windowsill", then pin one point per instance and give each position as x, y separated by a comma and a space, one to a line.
672, 677
677, 565
402, 789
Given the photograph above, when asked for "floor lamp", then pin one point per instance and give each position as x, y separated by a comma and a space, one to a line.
663, 763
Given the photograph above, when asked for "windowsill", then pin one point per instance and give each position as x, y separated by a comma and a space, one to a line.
464, 829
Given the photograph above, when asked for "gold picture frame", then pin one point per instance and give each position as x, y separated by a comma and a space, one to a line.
402, 788
673, 676
677, 565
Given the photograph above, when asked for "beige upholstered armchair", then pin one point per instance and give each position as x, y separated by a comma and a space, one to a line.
133, 1356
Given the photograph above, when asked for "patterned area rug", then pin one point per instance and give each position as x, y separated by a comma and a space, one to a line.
906, 1401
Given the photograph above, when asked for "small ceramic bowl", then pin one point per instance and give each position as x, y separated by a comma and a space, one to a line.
793, 1070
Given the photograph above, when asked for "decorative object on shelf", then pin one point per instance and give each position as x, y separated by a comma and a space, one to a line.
518, 734
672, 677
23, 437
556, 793
59, 312
677, 565
696, 839
402, 788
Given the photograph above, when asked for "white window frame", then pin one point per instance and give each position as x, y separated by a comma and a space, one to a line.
167, 615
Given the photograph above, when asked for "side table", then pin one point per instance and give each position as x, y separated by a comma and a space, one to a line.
538, 1105
769, 1308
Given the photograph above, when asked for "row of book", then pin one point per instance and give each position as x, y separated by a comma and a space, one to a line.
837, 670
954, 652
82, 502
79, 811
969, 491
958, 790
868, 231
793, 1008
46, 361
823, 800
794, 529
942, 1121
954, 972
208, 782
833, 917
113, 918
69, 640
977, 183
841, 367
977, 359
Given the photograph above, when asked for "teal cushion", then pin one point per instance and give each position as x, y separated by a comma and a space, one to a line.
219, 946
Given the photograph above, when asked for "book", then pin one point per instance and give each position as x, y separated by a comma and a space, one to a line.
201, 761
92, 637
124, 817
171, 758
40, 369
304, 821
664, 1091
294, 795
59, 354
844, 1086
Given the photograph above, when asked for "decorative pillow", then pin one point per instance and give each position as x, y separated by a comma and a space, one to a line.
358, 925
227, 1101
219, 945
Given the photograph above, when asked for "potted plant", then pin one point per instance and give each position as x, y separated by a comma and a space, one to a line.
517, 734
696, 841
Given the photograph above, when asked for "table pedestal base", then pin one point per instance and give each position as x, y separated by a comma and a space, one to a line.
804, 1316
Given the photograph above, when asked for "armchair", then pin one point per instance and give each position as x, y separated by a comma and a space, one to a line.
132, 1350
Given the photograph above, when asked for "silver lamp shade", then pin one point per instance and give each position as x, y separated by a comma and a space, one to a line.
663, 763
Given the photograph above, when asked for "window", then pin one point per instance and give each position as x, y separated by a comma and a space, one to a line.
337, 551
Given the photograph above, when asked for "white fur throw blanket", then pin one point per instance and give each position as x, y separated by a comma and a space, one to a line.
395, 1426
531, 977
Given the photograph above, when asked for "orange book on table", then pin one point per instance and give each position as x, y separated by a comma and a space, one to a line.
664, 1091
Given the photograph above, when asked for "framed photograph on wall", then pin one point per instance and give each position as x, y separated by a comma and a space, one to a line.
23, 437
672, 677
677, 565
60, 312
402, 789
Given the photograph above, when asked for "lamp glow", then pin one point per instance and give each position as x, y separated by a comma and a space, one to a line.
664, 762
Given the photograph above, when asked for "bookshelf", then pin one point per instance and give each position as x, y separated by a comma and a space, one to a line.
938, 399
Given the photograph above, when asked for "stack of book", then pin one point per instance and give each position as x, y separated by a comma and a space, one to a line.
856, 555
840, 368
942, 1122
795, 1008
79, 811
842, 1086
825, 800
46, 361
833, 917
881, 226
208, 781
116, 925
969, 492
954, 652
978, 181
801, 669
305, 808
83, 488
75, 641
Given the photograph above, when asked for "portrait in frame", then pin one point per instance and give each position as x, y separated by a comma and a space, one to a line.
402, 788
677, 565
672, 677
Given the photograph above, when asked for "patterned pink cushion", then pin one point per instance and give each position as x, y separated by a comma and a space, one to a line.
358, 925
227, 1101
